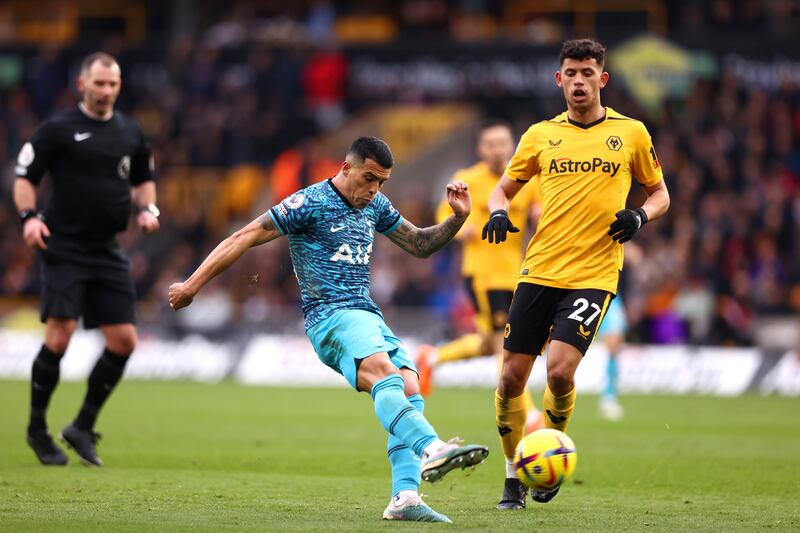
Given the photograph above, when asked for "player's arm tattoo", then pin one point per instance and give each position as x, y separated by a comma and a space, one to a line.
266, 222
267, 229
422, 242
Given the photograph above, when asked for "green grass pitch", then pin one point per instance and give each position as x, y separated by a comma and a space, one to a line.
189, 457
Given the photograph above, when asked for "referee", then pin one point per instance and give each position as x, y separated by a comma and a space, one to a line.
99, 163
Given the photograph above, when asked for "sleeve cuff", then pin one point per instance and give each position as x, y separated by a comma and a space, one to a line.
394, 225
142, 180
277, 222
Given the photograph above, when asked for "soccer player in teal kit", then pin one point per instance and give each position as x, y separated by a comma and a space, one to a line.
331, 226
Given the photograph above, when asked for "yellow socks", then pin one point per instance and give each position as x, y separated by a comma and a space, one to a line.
512, 414
463, 347
529, 405
558, 410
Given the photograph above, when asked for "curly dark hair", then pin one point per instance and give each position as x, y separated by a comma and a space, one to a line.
581, 49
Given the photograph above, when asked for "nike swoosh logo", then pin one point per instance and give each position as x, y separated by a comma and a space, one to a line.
334, 229
82, 136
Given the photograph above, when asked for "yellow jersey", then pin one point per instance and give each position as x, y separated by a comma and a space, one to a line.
491, 266
584, 176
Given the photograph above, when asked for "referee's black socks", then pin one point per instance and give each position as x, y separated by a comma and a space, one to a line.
104, 377
44, 378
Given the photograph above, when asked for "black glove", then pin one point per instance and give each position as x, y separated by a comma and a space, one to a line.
628, 222
497, 226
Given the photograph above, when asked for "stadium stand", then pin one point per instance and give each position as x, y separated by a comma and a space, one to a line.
239, 116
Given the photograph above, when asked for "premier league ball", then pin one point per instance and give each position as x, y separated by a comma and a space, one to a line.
545, 459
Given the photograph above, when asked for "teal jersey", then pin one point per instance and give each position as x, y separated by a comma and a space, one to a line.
330, 242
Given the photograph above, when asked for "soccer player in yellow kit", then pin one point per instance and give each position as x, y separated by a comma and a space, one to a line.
584, 160
490, 272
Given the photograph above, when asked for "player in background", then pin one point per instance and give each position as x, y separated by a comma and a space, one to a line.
585, 159
331, 227
612, 334
490, 272
98, 162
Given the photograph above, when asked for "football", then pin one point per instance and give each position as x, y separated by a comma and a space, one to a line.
545, 459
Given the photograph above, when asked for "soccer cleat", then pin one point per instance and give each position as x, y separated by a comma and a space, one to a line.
413, 510
83, 442
425, 368
514, 493
450, 456
610, 409
545, 495
47, 451
534, 421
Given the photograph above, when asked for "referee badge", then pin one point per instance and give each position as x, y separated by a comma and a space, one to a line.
24, 159
124, 167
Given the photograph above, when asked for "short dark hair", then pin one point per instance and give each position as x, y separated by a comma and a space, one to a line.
372, 148
105, 59
581, 49
490, 123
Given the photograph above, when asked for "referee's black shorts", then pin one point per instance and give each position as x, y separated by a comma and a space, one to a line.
539, 314
101, 294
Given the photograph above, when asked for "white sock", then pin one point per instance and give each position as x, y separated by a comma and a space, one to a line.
402, 497
511, 469
431, 448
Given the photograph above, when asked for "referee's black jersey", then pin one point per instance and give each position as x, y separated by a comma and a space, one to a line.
92, 165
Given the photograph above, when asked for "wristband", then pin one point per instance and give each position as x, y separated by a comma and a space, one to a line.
642, 215
26, 214
152, 209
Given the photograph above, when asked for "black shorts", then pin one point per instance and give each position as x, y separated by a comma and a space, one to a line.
102, 295
540, 313
491, 306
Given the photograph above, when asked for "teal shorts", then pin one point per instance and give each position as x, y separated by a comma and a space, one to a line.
346, 337
614, 321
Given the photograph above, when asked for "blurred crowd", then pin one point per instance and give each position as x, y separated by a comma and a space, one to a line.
725, 252
234, 116
231, 125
